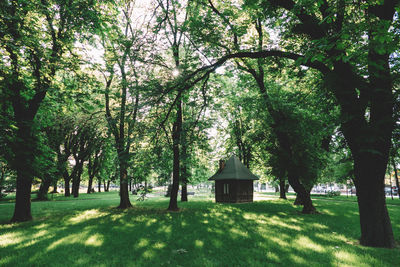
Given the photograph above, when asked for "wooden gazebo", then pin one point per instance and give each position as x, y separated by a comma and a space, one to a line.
233, 182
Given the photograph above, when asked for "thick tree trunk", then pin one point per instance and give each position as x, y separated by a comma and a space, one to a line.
44, 189
298, 200
22, 210
67, 179
376, 228
282, 189
76, 178
184, 195
67, 191
24, 160
108, 185
369, 139
302, 193
90, 185
123, 188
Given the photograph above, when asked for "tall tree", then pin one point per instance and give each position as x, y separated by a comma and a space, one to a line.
173, 18
34, 37
330, 36
124, 46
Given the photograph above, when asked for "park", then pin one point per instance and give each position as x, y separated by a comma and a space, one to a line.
204, 133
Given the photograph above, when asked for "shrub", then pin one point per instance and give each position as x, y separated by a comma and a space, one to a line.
332, 193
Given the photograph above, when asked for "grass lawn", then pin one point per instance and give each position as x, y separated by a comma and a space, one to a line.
89, 231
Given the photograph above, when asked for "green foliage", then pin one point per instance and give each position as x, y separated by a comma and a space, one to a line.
331, 193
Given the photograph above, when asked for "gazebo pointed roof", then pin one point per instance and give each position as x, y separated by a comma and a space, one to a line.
233, 170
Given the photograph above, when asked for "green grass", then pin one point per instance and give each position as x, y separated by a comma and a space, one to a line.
89, 231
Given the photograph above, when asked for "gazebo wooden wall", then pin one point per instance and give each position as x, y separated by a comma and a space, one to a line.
233, 191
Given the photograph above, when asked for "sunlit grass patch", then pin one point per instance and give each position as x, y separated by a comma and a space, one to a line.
86, 215
266, 233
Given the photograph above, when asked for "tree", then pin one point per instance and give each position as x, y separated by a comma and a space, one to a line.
87, 139
173, 19
45, 166
358, 73
124, 46
61, 137
329, 36
34, 37
94, 165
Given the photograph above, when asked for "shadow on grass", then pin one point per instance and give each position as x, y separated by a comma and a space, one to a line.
201, 234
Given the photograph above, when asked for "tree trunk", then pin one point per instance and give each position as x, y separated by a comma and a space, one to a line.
76, 178
184, 170
282, 191
55, 187
302, 194
184, 196
298, 200
24, 160
67, 180
173, 203
396, 177
108, 185
376, 228
176, 135
99, 185
123, 187
44, 189
2, 179
90, 185
22, 210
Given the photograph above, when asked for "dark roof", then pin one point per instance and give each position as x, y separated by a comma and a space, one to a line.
234, 169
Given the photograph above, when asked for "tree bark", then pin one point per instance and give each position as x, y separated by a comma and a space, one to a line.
184, 170
67, 179
396, 177
76, 178
90, 185
282, 189
376, 228
123, 188
24, 160
184, 195
176, 135
369, 139
22, 210
302, 194
2, 179
55, 187
44, 189
99, 185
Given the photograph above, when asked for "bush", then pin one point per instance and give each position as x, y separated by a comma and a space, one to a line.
332, 193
